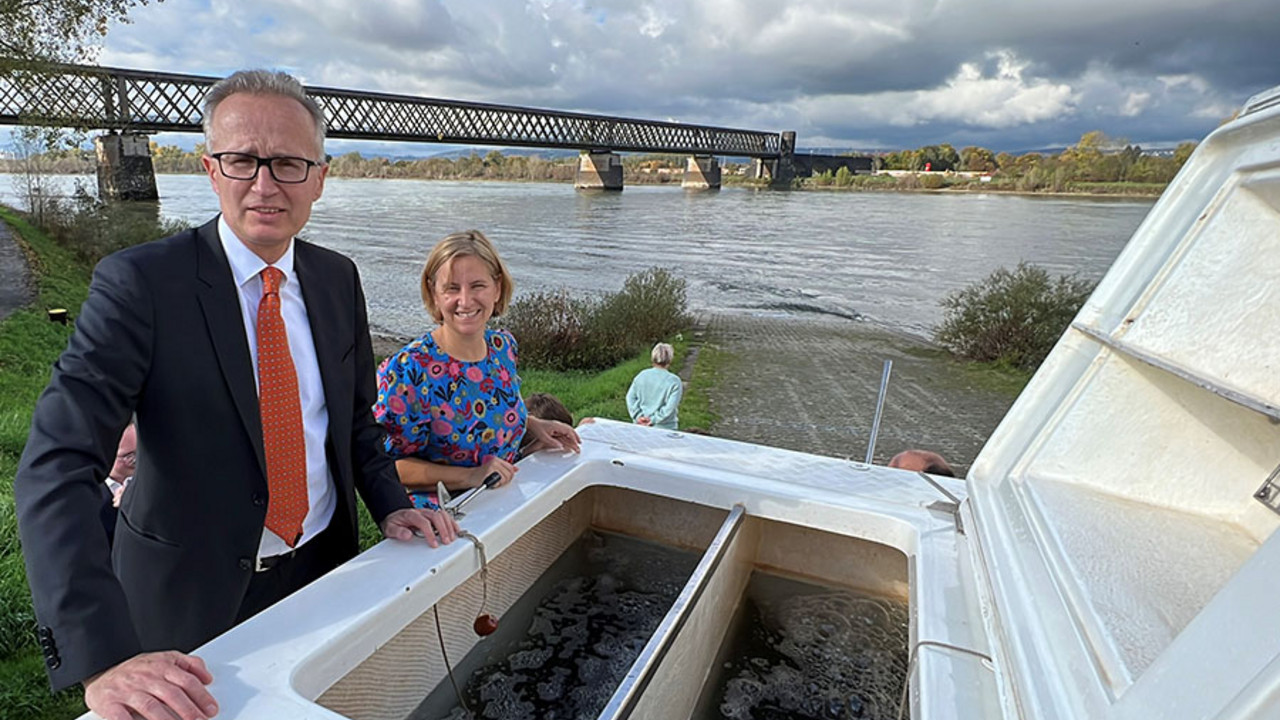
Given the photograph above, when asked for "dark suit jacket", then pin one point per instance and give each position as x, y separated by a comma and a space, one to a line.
161, 335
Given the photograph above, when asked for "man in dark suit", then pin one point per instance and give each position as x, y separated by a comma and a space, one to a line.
245, 356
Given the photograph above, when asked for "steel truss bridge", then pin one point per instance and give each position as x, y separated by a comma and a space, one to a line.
135, 101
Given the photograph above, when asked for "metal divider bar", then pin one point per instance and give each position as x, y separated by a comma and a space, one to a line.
624, 699
1256, 404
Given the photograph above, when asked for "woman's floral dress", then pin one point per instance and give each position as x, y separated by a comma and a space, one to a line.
448, 411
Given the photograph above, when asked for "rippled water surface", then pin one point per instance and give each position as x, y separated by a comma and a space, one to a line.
798, 651
885, 257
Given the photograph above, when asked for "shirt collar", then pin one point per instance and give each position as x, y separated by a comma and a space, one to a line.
245, 265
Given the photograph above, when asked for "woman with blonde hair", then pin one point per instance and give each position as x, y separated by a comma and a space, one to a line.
450, 400
654, 396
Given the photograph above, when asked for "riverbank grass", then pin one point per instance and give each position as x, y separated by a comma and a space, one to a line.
604, 394
29, 344
1001, 379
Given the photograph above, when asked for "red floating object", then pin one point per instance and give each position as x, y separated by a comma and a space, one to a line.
485, 625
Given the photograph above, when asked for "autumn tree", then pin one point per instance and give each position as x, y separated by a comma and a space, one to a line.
977, 159
173, 159
938, 158
1182, 153
948, 158
37, 31
1084, 160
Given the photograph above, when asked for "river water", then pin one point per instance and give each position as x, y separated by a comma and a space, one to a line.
887, 258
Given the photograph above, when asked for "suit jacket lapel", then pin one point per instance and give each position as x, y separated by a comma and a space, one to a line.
220, 302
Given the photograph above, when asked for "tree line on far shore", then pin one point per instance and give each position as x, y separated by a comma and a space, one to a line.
1095, 159
493, 165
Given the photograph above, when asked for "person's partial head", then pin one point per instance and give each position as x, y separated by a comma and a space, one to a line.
264, 154
546, 406
465, 282
922, 461
662, 354
126, 455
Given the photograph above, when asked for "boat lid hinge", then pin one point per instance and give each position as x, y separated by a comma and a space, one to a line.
950, 506
1269, 493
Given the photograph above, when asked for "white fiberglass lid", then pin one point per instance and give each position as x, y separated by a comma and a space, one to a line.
1129, 558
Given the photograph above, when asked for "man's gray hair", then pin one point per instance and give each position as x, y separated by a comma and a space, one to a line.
662, 354
260, 82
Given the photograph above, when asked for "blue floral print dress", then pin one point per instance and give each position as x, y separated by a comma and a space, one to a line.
448, 411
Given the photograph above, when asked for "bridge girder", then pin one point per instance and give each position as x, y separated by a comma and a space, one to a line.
147, 102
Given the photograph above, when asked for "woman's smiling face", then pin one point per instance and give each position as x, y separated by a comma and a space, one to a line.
465, 293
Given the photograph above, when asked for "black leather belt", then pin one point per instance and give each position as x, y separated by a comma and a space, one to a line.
267, 563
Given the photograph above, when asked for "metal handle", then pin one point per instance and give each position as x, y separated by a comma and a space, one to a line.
490, 480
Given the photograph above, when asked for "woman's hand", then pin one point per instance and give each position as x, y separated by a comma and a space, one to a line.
506, 472
644, 420
550, 435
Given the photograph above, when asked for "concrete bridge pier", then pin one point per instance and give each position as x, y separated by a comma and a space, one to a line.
599, 170
701, 172
124, 167
785, 167
779, 171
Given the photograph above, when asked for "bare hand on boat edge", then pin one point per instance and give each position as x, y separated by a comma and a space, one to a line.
407, 523
550, 435
505, 471
155, 686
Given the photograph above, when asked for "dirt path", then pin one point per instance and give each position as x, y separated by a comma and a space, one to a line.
16, 289
811, 385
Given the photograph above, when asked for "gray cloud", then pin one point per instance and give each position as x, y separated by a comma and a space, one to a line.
1001, 73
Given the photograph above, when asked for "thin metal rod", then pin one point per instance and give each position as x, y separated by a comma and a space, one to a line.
911, 664
875, 424
625, 698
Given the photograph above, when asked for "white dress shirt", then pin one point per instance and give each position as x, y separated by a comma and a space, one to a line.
245, 269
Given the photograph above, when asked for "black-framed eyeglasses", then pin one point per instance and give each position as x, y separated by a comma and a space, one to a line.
284, 169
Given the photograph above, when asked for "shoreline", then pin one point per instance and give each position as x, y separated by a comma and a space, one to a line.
1144, 194
1152, 195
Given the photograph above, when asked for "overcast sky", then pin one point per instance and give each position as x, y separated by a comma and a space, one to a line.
856, 74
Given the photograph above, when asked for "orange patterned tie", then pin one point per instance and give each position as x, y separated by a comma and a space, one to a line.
281, 409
